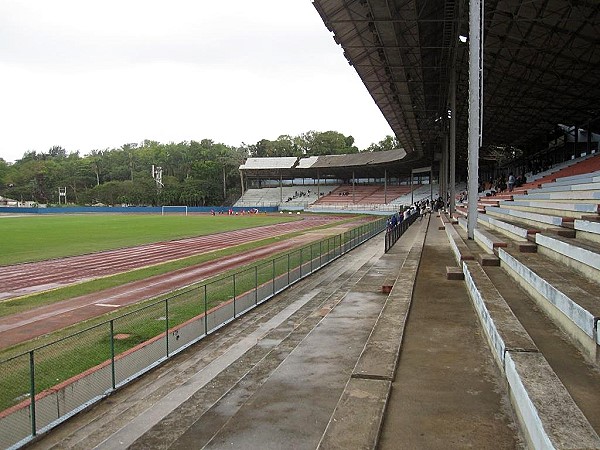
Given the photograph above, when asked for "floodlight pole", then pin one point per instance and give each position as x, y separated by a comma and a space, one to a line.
475, 108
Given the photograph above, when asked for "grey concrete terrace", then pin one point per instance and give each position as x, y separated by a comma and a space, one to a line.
278, 377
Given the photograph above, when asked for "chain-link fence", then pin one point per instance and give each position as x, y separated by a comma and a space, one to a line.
45, 386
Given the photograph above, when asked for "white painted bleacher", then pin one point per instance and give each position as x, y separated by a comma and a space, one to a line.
421, 192
562, 219
293, 196
547, 242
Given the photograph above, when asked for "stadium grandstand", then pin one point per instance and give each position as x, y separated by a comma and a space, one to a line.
371, 182
479, 328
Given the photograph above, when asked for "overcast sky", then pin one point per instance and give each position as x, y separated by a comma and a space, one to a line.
91, 74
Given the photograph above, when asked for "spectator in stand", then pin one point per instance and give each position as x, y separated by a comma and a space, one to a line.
511, 182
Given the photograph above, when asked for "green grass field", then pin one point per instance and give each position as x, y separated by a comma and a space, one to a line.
38, 237
61, 354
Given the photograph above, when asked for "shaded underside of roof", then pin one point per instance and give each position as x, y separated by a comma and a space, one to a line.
541, 66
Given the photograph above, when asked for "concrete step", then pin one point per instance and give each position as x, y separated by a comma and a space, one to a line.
488, 240
508, 226
588, 229
564, 294
583, 256
540, 399
569, 291
537, 219
580, 378
459, 247
558, 208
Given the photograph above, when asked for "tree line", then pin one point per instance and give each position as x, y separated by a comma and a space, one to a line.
194, 173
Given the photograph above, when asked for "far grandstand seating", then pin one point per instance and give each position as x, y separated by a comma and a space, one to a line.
329, 195
293, 196
363, 194
551, 236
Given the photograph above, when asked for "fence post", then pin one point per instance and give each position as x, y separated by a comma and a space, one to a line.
311, 258
112, 354
320, 253
32, 393
234, 296
301, 260
255, 285
205, 312
273, 276
288, 268
167, 324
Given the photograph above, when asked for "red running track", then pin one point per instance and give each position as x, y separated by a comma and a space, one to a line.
37, 322
31, 278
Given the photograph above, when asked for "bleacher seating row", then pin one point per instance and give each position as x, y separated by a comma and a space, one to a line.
560, 216
546, 237
292, 196
336, 196
363, 194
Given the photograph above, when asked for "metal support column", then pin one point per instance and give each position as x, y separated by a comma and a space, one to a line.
445, 165
452, 158
412, 195
475, 108
318, 185
431, 182
385, 186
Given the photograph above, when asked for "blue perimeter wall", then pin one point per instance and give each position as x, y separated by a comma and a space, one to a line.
120, 209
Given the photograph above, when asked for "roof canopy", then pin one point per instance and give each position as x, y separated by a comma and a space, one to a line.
541, 66
367, 164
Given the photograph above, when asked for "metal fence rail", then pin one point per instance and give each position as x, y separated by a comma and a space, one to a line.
45, 386
394, 230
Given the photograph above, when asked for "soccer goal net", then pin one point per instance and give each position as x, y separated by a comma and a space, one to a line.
171, 209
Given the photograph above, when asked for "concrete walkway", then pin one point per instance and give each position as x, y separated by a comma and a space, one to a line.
277, 377
447, 392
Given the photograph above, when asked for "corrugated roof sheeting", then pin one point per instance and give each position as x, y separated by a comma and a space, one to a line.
360, 159
366, 164
306, 163
269, 163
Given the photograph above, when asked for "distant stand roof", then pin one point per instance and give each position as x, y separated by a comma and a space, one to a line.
269, 163
365, 164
